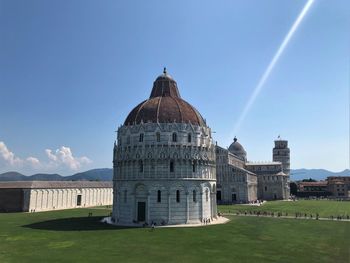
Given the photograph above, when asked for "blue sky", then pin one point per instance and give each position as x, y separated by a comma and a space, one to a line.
70, 72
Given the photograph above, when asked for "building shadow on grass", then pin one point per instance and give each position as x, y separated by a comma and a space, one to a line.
91, 223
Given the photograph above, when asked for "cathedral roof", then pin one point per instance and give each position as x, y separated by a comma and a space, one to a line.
164, 105
237, 149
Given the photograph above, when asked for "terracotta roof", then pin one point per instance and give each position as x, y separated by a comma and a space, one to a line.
55, 184
337, 182
319, 183
164, 106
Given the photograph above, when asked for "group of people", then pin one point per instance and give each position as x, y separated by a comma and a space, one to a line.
347, 217
206, 221
256, 202
285, 214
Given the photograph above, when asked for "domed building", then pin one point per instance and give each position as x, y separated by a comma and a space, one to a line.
242, 181
237, 149
164, 162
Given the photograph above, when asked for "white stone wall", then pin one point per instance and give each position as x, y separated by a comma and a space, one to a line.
143, 157
155, 156
271, 187
54, 199
189, 209
271, 183
235, 183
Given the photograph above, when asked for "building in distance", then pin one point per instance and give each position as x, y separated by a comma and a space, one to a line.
242, 181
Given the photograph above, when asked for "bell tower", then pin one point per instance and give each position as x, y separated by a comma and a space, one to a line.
281, 153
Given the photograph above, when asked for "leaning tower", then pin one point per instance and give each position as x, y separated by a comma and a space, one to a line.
281, 153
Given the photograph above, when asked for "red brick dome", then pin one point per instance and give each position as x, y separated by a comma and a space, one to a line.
164, 105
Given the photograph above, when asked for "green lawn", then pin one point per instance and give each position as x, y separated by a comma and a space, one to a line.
71, 236
324, 208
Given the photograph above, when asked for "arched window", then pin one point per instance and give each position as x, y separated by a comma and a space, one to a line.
125, 195
206, 195
178, 196
194, 196
194, 167
265, 188
158, 136
174, 137
141, 166
128, 139
189, 137
172, 166
141, 137
159, 196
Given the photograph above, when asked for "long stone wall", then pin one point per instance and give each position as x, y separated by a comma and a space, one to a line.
53, 199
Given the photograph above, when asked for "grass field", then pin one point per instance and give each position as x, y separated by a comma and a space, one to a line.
324, 208
71, 236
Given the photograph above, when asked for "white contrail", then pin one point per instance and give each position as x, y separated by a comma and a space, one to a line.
272, 64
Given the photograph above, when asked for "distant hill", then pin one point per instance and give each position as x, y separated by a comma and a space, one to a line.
104, 174
317, 174
12, 176
43, 177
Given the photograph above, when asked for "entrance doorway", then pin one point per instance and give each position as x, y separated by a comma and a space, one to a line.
234, 197
218, 195
78, 200
141, 211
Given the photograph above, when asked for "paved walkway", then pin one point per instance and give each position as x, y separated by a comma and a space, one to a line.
219, 220
289, 217
255, 204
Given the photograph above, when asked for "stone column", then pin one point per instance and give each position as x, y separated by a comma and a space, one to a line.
212, 205
148, 207
187, 208
201, 205
133, 202
118, 201
169, 208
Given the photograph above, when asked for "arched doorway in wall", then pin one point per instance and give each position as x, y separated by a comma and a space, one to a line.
141, 207
234, 197
218, 194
